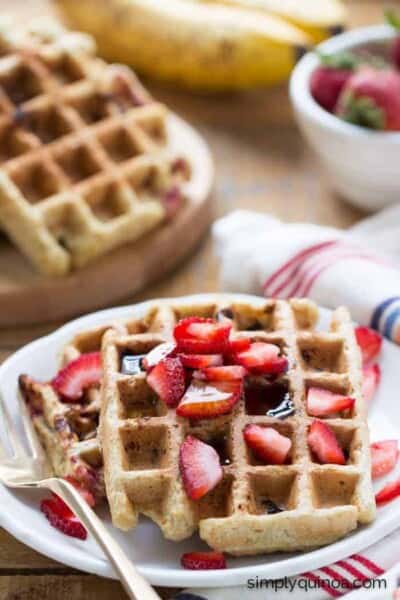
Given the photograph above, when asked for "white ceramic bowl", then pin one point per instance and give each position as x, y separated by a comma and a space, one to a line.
362, 165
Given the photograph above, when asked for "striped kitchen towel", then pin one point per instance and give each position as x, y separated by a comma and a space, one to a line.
369, 575
358, 268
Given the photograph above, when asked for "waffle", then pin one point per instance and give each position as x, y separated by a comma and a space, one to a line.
68, 432
141, 438
84, 159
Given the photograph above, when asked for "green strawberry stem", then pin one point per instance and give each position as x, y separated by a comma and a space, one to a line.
342, 60
362, 111
392, 18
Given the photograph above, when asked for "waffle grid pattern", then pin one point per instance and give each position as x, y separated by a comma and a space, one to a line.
84, 166
141, 438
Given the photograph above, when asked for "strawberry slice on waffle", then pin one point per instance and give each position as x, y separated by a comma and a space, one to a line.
324, 444
167, 379
267, 444
324, 403
200, 467
81, 373
205, 400
262, 359
196, 335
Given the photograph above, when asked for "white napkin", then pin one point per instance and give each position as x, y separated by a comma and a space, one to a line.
358, 268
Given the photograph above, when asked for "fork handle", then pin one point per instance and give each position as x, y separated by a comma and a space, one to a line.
135, 585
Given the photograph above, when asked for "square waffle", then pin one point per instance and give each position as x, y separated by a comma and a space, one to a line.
141, 437
68, 431
84, 163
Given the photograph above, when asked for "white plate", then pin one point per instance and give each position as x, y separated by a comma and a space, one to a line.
157, 558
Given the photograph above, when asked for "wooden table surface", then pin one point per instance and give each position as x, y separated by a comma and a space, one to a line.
263, 164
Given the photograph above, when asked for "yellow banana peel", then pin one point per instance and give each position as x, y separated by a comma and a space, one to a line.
199, 46
320, 19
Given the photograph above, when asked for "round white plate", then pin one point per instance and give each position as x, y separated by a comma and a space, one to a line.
158, 559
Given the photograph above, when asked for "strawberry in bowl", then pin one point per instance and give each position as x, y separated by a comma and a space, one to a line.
347, 104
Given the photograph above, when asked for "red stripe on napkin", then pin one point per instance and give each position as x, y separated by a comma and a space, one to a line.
323, 585
345, 583
352, 570
374, 568
297, 276
290, 266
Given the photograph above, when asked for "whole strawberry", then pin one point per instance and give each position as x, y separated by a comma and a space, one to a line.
371, 98
328, 80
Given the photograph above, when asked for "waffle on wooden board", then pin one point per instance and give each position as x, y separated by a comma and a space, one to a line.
140, 437
84, 159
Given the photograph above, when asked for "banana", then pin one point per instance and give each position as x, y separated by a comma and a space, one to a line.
318, 18
199, 46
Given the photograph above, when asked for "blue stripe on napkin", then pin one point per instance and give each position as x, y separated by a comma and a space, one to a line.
379, 311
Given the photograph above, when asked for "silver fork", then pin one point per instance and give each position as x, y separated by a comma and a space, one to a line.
26, 470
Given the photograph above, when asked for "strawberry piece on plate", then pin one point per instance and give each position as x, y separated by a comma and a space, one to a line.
262, 359
324, 444
200, 467
76, 376
62, 518
322, 403
202, 561
204, 400
227, 373
388, 493
201, 361
268, 444
370, 343
195, 335
384, 457
158, 353
167, 379
85, 493
371, 379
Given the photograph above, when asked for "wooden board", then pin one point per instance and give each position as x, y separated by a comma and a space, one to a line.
29, 297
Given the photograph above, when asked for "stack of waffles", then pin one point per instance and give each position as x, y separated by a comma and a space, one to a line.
84, 159
255, 506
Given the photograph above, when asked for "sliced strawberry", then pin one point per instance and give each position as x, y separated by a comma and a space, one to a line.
200, 467
324, 444
262, 359
195, 335
239, 345
157, 354
62, 518
201, 361
370, 343
268, 444
371, 379
388, 493
322, 403
384, 457
85, 493
230, 373
78, 375
204, 400
202, 561
167, 379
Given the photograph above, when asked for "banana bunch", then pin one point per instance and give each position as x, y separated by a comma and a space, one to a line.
210, 45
